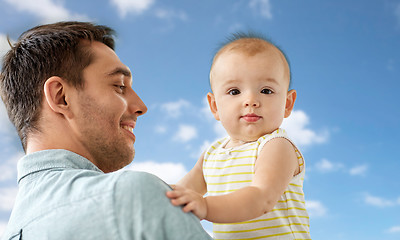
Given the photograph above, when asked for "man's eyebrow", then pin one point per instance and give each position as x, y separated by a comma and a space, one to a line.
120, 71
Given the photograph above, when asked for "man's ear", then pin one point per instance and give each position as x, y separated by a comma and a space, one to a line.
213, 105
290, 99
55, 89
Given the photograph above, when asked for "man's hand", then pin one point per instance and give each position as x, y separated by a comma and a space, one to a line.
191, 201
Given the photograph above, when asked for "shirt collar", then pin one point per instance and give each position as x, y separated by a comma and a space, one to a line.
50, 159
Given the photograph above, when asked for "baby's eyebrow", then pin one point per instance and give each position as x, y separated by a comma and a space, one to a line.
273, 80
232, 81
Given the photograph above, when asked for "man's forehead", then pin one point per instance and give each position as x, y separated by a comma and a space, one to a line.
102, 54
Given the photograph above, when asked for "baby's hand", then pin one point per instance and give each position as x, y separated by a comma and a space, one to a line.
191, 200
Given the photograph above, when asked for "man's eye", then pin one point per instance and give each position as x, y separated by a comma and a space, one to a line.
266, 91
121, 88
233, 92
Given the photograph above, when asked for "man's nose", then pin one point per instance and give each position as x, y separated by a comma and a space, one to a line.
135, 104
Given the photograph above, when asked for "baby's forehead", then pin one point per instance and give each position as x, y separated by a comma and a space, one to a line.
250, 47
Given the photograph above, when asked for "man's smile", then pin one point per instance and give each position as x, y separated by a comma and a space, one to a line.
129, 126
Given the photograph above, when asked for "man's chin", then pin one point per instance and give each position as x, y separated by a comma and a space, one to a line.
129, 159
118, 161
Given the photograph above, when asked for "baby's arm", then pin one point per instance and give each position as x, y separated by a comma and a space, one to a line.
274, 168
192, 201
191, 187
194, 179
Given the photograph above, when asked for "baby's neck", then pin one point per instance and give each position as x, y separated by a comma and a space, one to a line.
236, 142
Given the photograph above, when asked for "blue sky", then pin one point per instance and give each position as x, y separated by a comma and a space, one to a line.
345, 59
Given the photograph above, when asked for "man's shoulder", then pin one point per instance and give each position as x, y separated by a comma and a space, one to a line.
138, 182
127, 182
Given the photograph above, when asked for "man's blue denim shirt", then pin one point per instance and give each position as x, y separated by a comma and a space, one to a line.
63, 195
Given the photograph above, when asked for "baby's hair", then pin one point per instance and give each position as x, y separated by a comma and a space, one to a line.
249, 43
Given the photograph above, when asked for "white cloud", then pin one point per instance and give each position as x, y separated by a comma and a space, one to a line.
132, 6
160, 129
3, 226
196, 154
171, 173
8, 134
5, 124
7, 198
327, 166
170, 14
264, 6
185, 133
47, 10
296, 125
394, 229
9, 167
316, 208
380, 202
235, 27
174, 109
7, 130
359, 170
4, 46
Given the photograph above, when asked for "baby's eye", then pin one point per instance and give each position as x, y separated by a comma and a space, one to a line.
267, 91
233, 92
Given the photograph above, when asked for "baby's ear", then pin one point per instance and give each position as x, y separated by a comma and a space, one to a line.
213, 105
55, 95
290, 99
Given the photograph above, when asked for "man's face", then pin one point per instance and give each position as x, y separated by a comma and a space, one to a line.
106, 110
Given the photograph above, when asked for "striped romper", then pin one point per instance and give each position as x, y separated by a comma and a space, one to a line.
227, 170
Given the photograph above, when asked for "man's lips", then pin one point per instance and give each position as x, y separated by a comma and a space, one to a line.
251, 117
129, 126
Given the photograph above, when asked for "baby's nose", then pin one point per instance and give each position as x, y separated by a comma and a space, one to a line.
251, 102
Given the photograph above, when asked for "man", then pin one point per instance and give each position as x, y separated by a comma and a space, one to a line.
71, 101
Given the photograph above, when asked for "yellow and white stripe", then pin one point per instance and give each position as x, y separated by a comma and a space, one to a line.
229, 169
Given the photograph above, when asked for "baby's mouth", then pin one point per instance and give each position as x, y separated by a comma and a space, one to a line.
251, 117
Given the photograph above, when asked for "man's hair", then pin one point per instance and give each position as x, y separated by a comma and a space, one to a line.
249, 43
44, 51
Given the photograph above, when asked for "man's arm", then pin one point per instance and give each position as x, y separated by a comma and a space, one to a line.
146, 213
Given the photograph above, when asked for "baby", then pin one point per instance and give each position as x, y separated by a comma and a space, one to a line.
254, 177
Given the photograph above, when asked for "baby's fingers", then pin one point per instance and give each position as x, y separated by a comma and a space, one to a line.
181, 200
173, 194
191, 206
195, 208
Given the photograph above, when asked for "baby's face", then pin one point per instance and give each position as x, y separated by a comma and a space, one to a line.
249, 93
